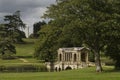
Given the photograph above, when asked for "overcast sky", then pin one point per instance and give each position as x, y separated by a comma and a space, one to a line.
31, 10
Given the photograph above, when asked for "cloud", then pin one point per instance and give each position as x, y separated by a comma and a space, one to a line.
12, 5
31, 10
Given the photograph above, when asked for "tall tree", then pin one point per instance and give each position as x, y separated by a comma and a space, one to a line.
14, 25
46, 49
90, 20
36, 28
6, 46
113, 51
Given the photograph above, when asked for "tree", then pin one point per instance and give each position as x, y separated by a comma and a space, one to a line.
6, 46
10, 32
90, 20
113, 51
46, 49
14, 25
36, 28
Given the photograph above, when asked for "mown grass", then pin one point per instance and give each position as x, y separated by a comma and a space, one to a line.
26, 49
80, 74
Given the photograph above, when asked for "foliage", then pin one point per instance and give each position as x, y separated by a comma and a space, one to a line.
47, 47
10, 32
23, 68
113, 51
36, 28
7, 49
83, 22
13, 27
24, 51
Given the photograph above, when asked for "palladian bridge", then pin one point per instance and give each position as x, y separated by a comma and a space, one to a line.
71, 58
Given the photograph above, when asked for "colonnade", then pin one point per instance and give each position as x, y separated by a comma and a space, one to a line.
73, 56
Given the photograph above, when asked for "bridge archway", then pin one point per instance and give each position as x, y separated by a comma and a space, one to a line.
68, 68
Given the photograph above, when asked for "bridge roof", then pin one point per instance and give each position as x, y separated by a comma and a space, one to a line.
73, 49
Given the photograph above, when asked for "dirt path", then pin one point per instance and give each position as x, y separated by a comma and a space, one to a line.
24, 60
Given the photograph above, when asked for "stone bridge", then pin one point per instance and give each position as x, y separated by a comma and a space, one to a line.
71, 58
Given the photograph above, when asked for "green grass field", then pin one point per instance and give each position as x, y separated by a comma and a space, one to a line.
80, 74
24, 51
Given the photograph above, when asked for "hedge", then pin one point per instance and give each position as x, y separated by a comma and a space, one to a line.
23, 68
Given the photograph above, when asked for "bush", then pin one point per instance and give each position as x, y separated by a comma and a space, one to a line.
24, 68
109, 63
7, 56
91, 57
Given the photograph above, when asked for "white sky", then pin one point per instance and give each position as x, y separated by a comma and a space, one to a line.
31, 10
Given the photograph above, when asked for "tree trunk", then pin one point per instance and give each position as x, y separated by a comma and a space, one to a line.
98, 62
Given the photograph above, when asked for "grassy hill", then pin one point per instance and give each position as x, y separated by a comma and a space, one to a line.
24, 53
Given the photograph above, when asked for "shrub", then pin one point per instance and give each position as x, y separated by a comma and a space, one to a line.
7, 56
109, 63
24, 68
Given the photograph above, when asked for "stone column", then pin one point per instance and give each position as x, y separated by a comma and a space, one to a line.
58, 57
68, 56
63, 56
72, 57
77, 56
80, 56
86, 57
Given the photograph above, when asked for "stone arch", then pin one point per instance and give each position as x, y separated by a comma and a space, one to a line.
56, 68
68, 68
59, 69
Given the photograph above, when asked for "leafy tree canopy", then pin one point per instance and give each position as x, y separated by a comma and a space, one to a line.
14, 25
11, 31
6, 46
36, 28
90, 23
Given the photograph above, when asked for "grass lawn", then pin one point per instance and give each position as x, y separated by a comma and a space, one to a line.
24, 51
80, 74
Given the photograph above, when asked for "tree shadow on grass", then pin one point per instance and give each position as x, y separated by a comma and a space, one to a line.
25, 57
111, 70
